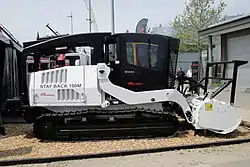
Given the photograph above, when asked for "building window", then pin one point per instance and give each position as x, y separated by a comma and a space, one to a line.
142, 54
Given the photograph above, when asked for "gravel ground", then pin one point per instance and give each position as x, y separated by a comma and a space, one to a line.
228, 156
19, 143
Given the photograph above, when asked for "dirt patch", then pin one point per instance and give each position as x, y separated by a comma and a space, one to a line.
20, 143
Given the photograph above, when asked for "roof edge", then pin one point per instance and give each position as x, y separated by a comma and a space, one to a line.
225, 25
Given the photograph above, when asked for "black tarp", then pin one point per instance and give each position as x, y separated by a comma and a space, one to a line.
10, 73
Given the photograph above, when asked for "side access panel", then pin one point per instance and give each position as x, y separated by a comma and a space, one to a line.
66, 86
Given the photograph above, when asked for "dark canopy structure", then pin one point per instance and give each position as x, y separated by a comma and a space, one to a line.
41, 39
49, 47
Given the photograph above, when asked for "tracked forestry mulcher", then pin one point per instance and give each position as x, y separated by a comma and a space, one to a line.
124, 88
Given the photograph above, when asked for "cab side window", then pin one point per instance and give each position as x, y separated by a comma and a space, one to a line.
130, 53
142, 54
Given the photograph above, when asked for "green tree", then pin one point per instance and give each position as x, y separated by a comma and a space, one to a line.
197, 15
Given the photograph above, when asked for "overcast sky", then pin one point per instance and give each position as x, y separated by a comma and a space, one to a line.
25, 17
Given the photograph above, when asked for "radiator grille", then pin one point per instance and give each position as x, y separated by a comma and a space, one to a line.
68, 95
57, 76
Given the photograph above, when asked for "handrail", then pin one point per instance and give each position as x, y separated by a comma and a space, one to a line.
233, 80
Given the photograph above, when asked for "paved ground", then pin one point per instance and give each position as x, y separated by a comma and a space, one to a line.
229, 156
242, 101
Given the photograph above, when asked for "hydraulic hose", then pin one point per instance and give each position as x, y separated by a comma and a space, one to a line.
120, 153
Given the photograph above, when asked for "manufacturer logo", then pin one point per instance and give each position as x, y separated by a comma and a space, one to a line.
135, 83
46, 94
129, 72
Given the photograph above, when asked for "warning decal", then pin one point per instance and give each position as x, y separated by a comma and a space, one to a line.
208, 106
60, 86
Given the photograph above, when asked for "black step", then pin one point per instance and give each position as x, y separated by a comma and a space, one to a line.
2, 131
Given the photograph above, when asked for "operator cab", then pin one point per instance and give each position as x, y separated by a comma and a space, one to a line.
142, 62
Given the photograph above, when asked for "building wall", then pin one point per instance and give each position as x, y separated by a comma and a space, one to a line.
185, 59
238, 48
217, 49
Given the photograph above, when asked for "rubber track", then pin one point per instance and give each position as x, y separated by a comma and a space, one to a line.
55, 117
120, 153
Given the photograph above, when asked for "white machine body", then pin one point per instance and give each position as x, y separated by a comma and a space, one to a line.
86, 85
81, 58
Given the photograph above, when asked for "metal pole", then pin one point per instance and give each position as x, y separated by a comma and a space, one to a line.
210, 56
113, 16
71, 22
72, 29
113, 26
90, 19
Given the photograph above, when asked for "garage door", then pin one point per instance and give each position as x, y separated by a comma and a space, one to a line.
239, 49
